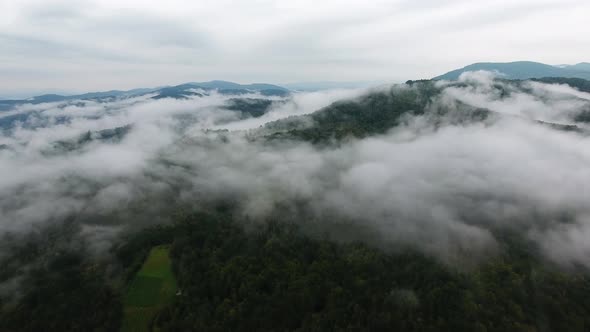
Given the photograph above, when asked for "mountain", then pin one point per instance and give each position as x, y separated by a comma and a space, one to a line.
198, 88
371, 114
383, 109
177, 91
580, 66
242, 104
329, 85
523, 70
51, 98
225, 85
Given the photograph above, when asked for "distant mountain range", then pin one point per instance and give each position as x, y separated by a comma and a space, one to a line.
523, 70
178, 92
329, 85
223, 87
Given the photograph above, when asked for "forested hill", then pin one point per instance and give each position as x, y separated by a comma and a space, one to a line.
383, 109
373, 113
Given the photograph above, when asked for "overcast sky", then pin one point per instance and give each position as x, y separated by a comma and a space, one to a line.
87, 45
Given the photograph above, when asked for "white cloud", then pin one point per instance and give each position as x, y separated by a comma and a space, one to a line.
59, 44
443, 189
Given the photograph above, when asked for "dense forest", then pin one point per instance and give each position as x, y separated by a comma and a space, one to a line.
273, 277
386, 108
371, 114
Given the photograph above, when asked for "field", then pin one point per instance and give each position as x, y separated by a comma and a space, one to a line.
152, 288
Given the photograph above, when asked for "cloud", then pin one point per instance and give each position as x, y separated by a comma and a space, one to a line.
552, 103
442, 187
102, 177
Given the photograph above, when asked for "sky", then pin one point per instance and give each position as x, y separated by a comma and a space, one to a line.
90, 45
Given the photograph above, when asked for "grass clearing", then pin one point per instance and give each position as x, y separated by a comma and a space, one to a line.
152, 288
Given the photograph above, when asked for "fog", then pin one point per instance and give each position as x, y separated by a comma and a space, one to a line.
441, 189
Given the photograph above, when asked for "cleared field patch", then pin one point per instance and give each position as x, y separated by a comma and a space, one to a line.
152, 288
144, 292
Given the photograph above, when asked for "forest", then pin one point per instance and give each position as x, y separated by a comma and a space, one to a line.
273, 277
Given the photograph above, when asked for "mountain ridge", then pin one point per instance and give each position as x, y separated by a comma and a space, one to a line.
522, 70
174, 91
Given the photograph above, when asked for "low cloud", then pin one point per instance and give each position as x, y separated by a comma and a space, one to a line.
444, 190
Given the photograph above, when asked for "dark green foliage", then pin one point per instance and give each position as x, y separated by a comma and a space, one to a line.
249, 107
381, 110
187, 90
276, 279
57, 286
65, 294
104, 136
271, 277
135, 248
60, 286
374, 113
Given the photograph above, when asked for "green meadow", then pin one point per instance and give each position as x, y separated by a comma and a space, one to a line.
152, 288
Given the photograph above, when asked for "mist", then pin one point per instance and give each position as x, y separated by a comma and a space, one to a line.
441, 189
